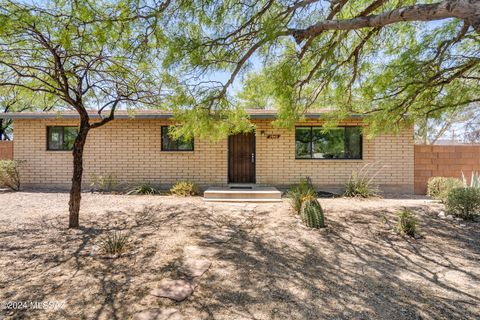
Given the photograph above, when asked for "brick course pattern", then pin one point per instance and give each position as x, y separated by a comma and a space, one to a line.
130, 150
6, 150
444, 161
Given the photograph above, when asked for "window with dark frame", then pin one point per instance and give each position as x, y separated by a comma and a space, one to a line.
337, 143
170, 144
61, 138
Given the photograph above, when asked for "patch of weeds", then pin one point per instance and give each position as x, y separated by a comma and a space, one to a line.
407, 223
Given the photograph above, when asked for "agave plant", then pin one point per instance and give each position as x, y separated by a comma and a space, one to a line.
144, 189
474, 180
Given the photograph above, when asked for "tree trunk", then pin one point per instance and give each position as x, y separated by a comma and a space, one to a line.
76, 189
1, 129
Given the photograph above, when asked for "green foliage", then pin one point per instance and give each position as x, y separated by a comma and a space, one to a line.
439, 187
9, 174
185, 189
360, 184
464, 202
311, 213
407, 223
114, 244
474, 180
297, 193
144, 189
103, 182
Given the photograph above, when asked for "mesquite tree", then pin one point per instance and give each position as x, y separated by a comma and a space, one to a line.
396, 61
89, 56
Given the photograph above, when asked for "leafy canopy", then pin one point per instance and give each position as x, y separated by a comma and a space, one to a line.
347, 56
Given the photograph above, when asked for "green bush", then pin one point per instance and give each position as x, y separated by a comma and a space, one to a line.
144, 189
439, 187
407, 223
464, 202
297, 193
185, 189
312, 213
9, 174
114, 243
103, 183
360, 185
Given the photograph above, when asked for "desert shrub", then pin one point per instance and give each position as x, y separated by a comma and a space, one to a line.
103, 183
298, 192
185, 189
9, 174
143, 189
464, 202
407, 223
311, 213
114, 243
360, 185
439, 187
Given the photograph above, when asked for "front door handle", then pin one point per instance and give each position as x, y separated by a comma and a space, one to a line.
253, 157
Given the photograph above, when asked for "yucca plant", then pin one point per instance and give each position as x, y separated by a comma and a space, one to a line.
297, 193
114, 243
144, 189
407, 223
311, 213
474, 180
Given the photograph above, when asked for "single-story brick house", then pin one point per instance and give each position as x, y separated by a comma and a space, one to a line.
138, 150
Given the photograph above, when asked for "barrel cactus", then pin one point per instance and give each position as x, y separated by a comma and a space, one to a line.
312, 213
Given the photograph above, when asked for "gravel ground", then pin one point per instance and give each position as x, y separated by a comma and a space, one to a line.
265, 263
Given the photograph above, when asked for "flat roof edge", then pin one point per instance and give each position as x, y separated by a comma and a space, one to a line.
29, 116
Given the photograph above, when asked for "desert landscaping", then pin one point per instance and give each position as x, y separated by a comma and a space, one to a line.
257, 261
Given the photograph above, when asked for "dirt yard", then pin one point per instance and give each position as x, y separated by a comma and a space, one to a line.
265, 264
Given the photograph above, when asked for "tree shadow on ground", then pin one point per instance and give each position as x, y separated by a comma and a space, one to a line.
265, 264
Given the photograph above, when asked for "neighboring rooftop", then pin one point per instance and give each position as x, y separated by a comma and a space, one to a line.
142, 114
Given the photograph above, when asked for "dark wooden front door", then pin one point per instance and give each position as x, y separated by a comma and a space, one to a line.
241, 158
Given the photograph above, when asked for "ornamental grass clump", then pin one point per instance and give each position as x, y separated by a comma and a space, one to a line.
407, 223
297, 193
360, 184
311, 213
114, 244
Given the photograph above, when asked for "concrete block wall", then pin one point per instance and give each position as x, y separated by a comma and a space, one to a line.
130, 150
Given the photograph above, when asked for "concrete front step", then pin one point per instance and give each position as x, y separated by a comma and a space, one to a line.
239, 194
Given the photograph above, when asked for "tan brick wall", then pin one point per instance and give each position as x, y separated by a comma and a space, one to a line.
444, 161
130, 149
391, 154
6, 150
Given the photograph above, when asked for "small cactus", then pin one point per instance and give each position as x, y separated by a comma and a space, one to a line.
312, 213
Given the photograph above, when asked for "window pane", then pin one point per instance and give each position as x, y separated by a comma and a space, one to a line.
302, 142
169, 144
69, 135
353, 143
328, 145
185, 145
55, 138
